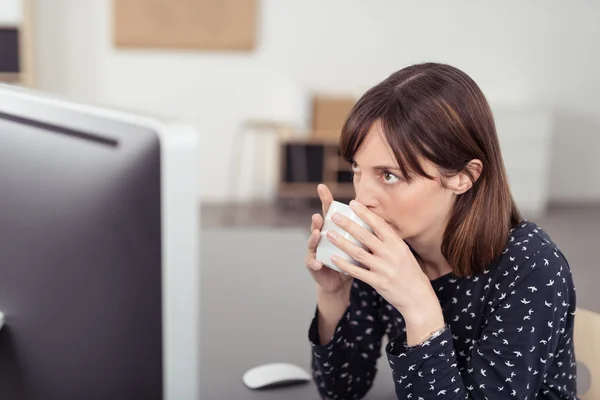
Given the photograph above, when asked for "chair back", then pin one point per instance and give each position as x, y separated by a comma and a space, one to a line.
587, 352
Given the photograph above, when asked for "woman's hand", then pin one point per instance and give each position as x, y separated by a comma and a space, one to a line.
391, 269
328, 281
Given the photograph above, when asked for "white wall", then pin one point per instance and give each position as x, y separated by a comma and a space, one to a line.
540, 52
10, 12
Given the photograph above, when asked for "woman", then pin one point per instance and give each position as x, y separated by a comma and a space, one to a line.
476, 302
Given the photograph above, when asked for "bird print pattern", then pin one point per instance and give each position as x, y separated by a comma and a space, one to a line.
509, 333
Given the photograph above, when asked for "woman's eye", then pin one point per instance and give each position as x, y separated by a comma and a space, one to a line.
390, 178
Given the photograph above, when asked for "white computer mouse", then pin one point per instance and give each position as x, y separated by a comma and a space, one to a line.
274, 375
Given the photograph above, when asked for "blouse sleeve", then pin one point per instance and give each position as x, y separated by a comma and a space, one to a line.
527, 321
344, 368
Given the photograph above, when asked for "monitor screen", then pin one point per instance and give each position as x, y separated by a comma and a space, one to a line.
80, 261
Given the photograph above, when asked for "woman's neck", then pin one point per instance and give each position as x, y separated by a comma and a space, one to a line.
435, 270
430, 257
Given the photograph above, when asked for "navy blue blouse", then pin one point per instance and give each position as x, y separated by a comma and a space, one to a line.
510, 333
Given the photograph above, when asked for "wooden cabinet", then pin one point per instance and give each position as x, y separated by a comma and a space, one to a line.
16, 42
304, 163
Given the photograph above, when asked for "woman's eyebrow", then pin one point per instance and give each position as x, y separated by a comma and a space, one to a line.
386, 167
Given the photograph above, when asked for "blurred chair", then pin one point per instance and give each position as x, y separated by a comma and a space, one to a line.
282, 131
587, 351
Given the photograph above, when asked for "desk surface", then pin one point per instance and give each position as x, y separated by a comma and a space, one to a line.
247, 321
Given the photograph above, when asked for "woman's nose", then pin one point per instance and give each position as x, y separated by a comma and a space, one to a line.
365, 195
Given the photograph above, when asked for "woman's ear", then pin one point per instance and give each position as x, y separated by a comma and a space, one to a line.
464, 180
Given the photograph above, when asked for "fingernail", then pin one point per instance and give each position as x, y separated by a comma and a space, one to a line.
354, 203
332, 235
336, 217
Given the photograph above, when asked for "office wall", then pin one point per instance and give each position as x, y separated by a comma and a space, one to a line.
10, 12
536, 52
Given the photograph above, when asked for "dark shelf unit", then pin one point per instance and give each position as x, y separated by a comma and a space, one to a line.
16, 48
304, 163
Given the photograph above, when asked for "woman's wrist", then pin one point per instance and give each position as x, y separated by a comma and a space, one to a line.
331, 307
342, 292
422, 323
337, 299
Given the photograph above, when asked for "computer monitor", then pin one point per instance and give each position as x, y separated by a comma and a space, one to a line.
99, 239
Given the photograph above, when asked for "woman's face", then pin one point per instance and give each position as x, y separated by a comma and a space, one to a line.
418, 210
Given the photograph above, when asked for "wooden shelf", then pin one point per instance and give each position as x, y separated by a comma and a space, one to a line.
309, 190
26, 44
23, 74
10, 77
306, 162
330, 142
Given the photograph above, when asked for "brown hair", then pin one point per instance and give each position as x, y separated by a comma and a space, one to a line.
438, 113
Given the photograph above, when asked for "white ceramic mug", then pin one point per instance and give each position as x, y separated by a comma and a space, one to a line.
325, 248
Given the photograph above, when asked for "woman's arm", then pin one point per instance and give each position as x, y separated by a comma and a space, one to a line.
344, 364
517, 346
330, 309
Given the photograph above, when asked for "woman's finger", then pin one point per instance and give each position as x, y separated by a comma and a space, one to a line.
361, 234
313, 240
315, 265
311, 262
358, 253
325, 196
360, 273
316, 222
379, 226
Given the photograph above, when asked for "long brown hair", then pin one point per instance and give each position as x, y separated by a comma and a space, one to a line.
437, 112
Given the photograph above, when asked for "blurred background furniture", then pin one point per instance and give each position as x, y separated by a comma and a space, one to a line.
305, 159
587, 351
319, 152
16, 42
329, 113
282, 132
322, 163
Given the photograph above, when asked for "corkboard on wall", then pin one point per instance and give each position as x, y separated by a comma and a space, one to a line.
186, 24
